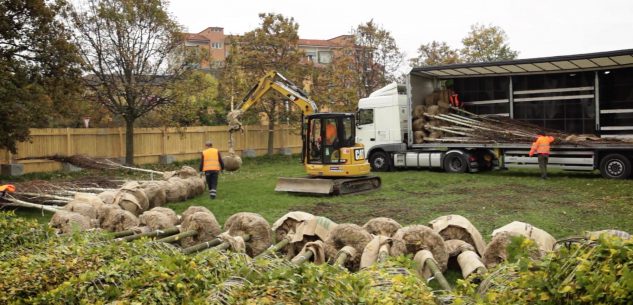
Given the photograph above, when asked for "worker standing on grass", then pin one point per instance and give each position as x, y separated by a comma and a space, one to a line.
211, 164
542, 147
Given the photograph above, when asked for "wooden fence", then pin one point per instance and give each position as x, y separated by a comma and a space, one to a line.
149, 143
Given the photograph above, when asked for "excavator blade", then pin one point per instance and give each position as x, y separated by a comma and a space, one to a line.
327, 186
305, 185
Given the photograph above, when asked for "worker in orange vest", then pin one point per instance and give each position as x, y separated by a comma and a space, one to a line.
6, 188
330, 133
211, 164
542, 148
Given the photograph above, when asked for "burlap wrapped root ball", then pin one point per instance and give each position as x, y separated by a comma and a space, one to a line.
347, 234
156, 194
107, 196
418, 111
197, 185
186, 172
192, 209
115, 219
497, 249
411, 239
418, 124
418, 137
383, 226
176, 190
288, 223
132, 198
85, 208
232, 162
192, 187
202, 222
158, 220
66, 221
459, 227
252, 224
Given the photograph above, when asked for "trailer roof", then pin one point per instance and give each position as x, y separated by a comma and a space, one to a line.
566, 63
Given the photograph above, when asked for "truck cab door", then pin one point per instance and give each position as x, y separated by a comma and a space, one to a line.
366, 128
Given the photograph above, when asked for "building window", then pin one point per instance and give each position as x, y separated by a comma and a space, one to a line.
311, 56
325, 57
216, 45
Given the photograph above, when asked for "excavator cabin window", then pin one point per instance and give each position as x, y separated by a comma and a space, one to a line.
326, 136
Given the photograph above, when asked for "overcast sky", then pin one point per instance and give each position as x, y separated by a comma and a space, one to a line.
535, 28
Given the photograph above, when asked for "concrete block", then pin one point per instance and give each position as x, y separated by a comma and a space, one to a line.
14, 169
166, 159
249, 153
67, 167
286, 151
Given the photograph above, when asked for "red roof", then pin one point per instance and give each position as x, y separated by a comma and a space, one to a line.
195, 37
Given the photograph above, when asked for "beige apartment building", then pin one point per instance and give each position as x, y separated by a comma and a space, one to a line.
216, 42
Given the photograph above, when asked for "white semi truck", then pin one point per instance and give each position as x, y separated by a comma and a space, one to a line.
575, 94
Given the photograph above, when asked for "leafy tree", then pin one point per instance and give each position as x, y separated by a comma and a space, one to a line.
376, 57
38, 68
486, 43
435, 53
335, 86
271, 46
133, 51
193, 96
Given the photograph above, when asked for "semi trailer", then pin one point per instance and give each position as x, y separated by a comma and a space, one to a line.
575, 94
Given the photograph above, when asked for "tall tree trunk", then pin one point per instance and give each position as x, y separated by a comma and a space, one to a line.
271, 136
129, 141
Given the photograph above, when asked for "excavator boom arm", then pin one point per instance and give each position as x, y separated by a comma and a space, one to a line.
275, 81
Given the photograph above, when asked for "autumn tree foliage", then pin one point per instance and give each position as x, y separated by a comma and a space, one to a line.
435, 53
271, 46
133, 53
38, 68
486, 43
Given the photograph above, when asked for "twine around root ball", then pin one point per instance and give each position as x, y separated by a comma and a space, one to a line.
382, 226
347, 234
411, 239
252, 224
202, 222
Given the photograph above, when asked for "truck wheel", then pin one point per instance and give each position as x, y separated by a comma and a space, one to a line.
455, 163
615, 166
379, 161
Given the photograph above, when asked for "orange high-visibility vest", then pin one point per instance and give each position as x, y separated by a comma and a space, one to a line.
541, 145
211, 160
330, 133
9, 188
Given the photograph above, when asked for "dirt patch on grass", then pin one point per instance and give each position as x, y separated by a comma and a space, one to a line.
360, 212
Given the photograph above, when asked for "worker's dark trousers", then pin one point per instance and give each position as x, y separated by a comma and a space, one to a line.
212, 182
542, 165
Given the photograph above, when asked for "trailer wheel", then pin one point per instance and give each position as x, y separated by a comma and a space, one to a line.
615, 166
379, 161
455, 163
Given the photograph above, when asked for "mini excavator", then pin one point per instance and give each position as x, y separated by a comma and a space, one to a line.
334, 162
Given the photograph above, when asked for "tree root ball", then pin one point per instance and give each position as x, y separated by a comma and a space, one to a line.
288, 223
176, 190
382, 226
411, 239
204, 223
347, 234
254, 225
459, 227
193, 209
66, 222
156, 193
156, 220
83, 208
107, 196
232, 162
116, 220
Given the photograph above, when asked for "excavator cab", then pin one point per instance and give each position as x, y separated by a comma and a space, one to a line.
327, 135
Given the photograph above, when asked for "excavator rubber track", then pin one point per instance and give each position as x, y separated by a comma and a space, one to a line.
327, 186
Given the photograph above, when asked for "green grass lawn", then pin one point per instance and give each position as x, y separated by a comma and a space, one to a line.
567, 204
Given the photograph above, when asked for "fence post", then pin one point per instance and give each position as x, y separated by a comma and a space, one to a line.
121, 153
68, 143
163, 145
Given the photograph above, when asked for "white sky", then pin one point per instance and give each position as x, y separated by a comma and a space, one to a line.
535, 28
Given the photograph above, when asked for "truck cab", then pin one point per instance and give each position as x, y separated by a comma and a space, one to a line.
382, 121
